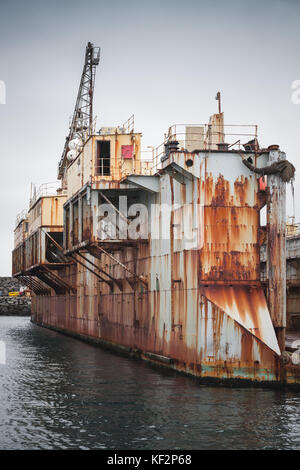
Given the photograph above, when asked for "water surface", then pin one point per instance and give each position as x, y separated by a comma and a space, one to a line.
59, 393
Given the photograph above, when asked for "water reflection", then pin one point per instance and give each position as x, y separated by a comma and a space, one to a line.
59, 393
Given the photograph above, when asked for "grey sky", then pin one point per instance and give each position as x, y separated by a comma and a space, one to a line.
161, 60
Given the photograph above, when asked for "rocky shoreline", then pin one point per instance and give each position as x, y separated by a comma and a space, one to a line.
18, 306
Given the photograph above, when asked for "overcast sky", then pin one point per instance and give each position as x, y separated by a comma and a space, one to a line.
162, 60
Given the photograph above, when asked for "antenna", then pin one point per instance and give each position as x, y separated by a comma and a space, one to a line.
218, 98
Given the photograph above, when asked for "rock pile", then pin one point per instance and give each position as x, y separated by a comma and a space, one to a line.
12, 305
8, 284
15, 305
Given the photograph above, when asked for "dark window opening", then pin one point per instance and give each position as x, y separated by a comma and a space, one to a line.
103, 158
67, 228
86, 220
53, 253
75, 228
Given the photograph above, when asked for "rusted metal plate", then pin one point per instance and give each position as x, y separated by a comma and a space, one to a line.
276, 249
230, 250
248, 307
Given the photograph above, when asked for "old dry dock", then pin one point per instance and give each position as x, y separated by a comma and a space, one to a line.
167, 258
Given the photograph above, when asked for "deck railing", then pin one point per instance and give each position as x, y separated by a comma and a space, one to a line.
206, 137
45, 189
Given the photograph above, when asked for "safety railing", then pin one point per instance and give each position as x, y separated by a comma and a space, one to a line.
293, 231
128, 125
45, 189
186, 137
191, 137
21, 216
229, 133
105, 169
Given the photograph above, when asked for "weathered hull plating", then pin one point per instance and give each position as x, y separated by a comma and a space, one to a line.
204, 312
211, 344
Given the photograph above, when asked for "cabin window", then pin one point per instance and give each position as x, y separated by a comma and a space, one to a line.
103, 158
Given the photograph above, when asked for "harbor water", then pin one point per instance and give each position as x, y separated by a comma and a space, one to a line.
57, 392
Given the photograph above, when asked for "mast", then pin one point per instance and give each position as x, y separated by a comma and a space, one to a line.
82, 120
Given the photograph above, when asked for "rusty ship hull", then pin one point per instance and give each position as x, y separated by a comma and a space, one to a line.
199, 309
162, 258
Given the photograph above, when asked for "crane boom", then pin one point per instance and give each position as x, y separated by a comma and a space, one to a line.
82, 120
